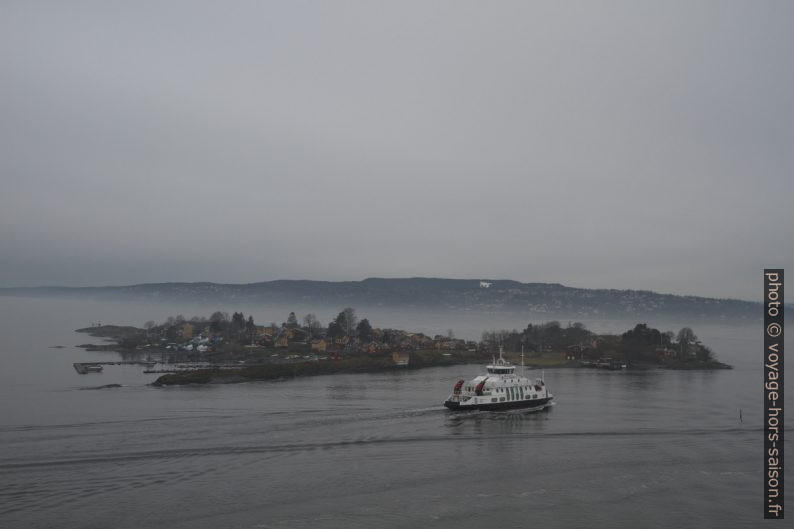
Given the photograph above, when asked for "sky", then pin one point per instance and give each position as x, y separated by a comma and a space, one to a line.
641, 145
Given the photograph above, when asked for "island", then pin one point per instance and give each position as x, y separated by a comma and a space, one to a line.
223, 349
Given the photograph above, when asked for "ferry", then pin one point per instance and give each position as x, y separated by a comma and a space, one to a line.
499, 389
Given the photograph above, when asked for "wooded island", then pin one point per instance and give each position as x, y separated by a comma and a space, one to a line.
229, 349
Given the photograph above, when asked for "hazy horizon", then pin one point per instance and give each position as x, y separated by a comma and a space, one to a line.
624, 145
473, 280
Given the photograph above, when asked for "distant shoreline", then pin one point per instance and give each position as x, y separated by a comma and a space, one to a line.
553, 300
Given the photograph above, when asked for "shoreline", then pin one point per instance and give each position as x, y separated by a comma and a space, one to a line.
212, 352
359, 364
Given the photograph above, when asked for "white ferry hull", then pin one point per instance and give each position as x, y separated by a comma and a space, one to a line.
455, 405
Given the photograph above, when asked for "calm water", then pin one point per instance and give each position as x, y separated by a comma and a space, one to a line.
620, 449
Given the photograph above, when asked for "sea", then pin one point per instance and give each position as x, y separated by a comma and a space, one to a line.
619, 449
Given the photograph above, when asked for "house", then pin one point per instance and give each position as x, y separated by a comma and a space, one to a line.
288, 336
665, 352
401, 358
319, 345
576, 351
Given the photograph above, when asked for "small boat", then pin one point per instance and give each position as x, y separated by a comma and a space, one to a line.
84, 368
609, 363
499, 389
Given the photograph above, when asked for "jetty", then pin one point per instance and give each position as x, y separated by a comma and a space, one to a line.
84, 368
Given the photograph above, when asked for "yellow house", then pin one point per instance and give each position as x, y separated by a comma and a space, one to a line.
319, 345
187, 331
401, 359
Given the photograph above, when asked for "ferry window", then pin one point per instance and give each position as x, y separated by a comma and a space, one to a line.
501, 399
493, 399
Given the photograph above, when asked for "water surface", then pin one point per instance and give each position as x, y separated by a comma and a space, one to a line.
619, 449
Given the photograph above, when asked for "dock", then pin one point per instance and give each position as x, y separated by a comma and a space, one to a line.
84, 368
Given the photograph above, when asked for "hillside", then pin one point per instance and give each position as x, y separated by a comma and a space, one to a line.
449, 294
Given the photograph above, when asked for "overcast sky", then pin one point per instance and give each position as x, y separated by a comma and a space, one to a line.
596, 144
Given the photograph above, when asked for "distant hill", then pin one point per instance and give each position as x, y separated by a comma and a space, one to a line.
451, 294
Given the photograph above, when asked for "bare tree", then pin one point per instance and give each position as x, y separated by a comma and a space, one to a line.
312, 324
149, 325
686, 336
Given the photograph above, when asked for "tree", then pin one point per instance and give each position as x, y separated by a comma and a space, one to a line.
640, 343
149, 325
704, 354
219, 316
218, 321
686, 336
364, 330
238, 321
250, 328
292, 321
450, 334
311, 323
347, 320
335, 330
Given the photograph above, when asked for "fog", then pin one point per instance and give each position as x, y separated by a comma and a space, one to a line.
641, 145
